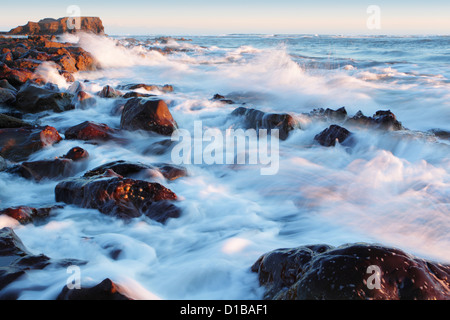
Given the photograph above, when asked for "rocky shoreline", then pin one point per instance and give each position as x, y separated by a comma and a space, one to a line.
118, 189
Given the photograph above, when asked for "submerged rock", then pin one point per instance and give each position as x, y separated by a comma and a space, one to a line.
322, 272
333, 133
148, 115
255, 119
114, 195
16, 144
109, 92
148, 87
105, 290
7, 121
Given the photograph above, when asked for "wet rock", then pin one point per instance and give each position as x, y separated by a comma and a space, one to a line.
5, 85
121, 197
89, 131
149, 87
16, 144
255, 119
105, 290
67, 62
322, 272
32, 99
26, 215
131, 169
442, 134
7, 96
218, 97
16, 77
382, 119
109, 92
3, 164
148, 115
333, 133
45, 169
85, 99
328, 114
7, 121
76, 154
134, 94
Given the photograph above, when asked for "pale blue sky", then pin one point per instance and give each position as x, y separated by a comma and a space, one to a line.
244, 16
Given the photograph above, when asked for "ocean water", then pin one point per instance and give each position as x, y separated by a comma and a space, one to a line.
391, 188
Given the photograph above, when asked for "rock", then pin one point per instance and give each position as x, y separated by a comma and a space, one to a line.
45, 169
50, 26
7, 121
109, 92
440, 133
333, 133
24, 63
33, 99
105, 290
76, 154
134, 94
255, 119
26, 215
7, 96
322, 272
16, 261
148, 115
132, 169
149, 87
218, 97
16, 144
5, 85
328, 114
67, 62
121, 197
85, 99
89, 131
382, 119
16, 77
3, 164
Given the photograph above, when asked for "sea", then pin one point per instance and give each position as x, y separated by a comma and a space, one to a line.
390, 188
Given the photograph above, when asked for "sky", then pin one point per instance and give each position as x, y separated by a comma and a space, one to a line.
201, 17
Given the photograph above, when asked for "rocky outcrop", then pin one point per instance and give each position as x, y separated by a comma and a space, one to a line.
33, 99
350, 272
148, 115
50, 26
255, 119
382, 119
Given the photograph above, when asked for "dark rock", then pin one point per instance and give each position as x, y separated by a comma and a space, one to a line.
114, 195
50, 26
148, 115
32, 98
7, 96
106, 290
16, 144
382, 119
45, 169
148, 87
90, 131
7, 121
131, 169
329, 136
134, 94
255, 119
328, 114
322, 272
16, 261
5, 85
442, 134
218, 97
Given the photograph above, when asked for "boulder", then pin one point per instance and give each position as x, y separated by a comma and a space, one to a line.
333, 133
15, 77
89, 131
109, 92
122, 197
255, 119
33, 99
105, 290
17, 144
76, 154
148, 115
350, 272
45, 169
149, 87
218, 97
